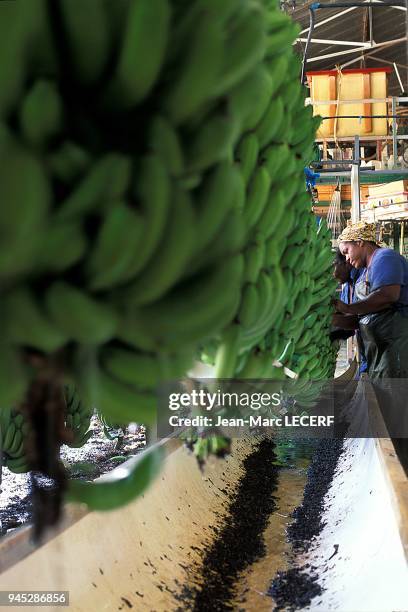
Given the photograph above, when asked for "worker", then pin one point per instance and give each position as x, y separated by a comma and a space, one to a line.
348, 276
381, 304
382, 309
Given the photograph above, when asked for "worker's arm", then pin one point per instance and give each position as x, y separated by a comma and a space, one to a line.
378, 300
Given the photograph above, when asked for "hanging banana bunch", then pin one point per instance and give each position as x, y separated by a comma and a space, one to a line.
162, 145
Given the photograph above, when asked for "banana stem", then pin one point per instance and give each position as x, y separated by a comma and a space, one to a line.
44, 408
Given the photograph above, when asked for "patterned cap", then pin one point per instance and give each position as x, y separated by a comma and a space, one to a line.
359, 231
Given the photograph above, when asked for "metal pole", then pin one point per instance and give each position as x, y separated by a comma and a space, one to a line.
394, 131
398, 77
355, 182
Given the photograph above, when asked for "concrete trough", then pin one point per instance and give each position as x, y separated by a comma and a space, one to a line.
138, 555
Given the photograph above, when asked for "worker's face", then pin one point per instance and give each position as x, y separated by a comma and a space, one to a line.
342, 271
354, 253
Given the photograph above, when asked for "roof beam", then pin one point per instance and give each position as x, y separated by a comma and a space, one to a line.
345, 43
332, 18
373, 56
341, 13
399, 8
388, 43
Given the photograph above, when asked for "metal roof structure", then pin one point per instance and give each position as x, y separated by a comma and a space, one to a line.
355, 37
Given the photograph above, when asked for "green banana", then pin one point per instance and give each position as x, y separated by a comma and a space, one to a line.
265, 295
305, 339
14, 377
278, 70
268, 126
274, 157
186, 19
244, 47
272, 253
212, 143
227, 353
132, 368
286, 222
165, 142
131, 482
168, 264
221, 191
17, 445
79, 316
248, 309
117, 244
25, 204
41, 115
63, 245
13, 51
27, 324
254, 258
69, 162
258, 193
291, 257
188, 315
247, 155
229, 240
251, 337
87, 35
276, 20
107, 180
18, 465
9, 437
125, 403
142, 52
153, 186
18, 419
279, 40
143, 369
256, 365
250, 99
273, 212
195, 82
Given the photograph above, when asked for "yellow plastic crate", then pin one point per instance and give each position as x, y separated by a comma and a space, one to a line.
336, 85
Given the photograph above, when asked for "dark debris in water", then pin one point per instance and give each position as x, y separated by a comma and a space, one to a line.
294, 589
239, 541
308, 517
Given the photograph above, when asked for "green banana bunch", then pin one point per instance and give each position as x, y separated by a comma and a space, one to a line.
203, 446
13, 429
184, 225
77, 417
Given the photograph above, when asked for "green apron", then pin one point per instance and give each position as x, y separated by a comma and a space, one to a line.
385, 337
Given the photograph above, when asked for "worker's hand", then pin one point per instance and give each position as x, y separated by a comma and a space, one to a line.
341, 307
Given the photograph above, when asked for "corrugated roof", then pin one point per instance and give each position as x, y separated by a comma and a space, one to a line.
388, 24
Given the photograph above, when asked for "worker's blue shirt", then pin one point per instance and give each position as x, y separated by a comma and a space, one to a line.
348, 287
389, 268
346, 290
